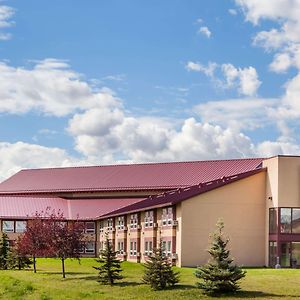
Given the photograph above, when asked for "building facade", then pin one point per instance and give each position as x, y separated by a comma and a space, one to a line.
178, 204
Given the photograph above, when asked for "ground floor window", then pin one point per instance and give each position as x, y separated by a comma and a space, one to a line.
90, 247
148, 247
120, 247
133, 248
272, 254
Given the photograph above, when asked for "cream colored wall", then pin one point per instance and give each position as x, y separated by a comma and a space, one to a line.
241, 205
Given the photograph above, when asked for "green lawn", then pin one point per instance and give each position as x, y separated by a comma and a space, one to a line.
81, 284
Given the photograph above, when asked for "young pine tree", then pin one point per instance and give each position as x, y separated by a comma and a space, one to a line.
4, 252
219, 275
158, 270
110, 267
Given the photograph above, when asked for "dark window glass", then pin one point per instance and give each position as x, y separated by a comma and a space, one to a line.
285, 220
296, 220
272, 254
295, 254
273, 220
285, 259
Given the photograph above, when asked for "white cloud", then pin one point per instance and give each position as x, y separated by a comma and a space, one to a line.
6, 13
16, 156
50, 87
245, 80
205, 31
232, 11
207, 70
248, 114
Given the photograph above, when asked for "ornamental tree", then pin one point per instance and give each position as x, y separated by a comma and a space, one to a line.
110, 266
37, 236
219, 275
66, 240
18, 257
159, 273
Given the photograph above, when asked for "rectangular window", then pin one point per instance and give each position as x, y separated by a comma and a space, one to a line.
131, 248
90, 227
133, 221
21, 226
296, 220
150, 248
146, 248
285, 259
101, 226
90, 247
285, 220
121, 223
272, 254
273, 220
8, 226
167, 216
148, 219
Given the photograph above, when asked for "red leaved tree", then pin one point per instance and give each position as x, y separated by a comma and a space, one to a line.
35, 240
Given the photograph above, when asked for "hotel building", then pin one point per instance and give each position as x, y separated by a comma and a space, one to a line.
178, 203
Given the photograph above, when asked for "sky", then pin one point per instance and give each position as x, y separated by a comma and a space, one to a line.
103, 82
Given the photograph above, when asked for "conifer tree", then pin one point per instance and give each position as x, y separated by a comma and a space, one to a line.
110, 267
159, 273
4, 252
219, 275
18, 258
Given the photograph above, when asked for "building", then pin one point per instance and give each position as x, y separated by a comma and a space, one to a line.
178, 203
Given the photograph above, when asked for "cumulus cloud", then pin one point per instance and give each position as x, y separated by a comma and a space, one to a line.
6, 13
245, 80
205, 31
15, 156
50, 87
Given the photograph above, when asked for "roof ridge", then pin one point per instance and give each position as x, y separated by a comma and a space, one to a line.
143, 164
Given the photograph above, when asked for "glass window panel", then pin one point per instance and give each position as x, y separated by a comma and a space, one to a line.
296, 220
273, 220
285, 260
285, 220
8, 226
21, 226
296, 254
89, 247
90, 227
272, 254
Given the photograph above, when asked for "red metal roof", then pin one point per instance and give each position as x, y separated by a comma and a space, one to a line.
20, 207
175, 196
153, 176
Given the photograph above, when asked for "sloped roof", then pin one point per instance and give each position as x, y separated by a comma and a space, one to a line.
22, 207
175, 196
133, 177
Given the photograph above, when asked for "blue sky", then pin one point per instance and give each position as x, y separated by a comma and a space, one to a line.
97, 82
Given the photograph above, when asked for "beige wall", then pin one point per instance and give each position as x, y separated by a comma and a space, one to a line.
241, 205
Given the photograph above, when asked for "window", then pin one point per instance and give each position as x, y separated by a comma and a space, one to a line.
121, 247
164, 247
285, 220
121, 223
296, 220
167, 216
21, 226
133, 248
273, 220
148, 219
8, 226
272, 254
90, 227
148, 248
133, 221
110, 224
90, 247
101, 226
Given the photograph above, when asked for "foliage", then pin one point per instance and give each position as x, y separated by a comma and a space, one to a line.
4, 252
219, 275
158, 270
18, 258
110, 268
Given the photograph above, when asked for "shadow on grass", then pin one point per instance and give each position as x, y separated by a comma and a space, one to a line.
250, 295
60, 273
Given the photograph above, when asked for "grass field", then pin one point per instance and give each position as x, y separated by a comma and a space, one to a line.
81, 284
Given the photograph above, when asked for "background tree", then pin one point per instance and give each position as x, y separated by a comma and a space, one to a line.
18, 257
66, 240
37, 236
159, 273
4, 251
110, 267
219, 275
